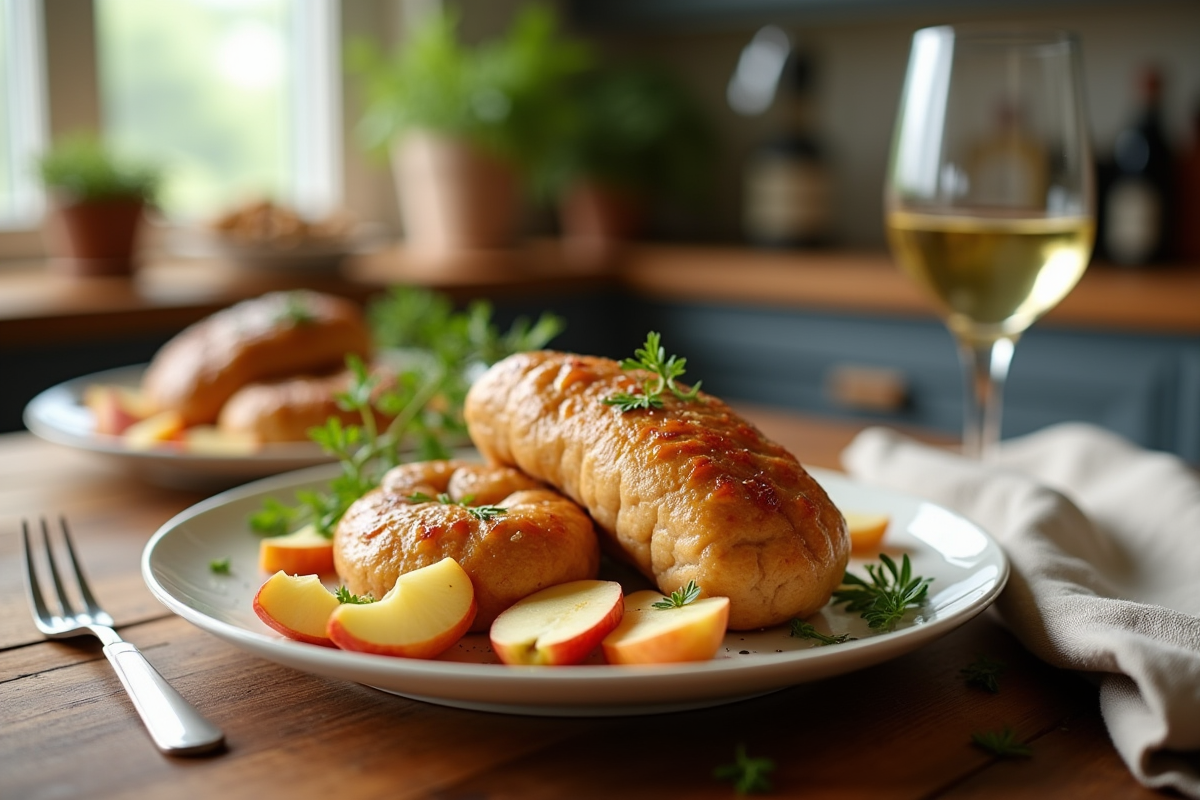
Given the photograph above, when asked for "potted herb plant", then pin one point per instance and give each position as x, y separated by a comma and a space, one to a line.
636, 137
463, 124
98, 201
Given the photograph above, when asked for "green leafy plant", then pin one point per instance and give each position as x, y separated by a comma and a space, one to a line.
984, 672
889, 593
680, 597
635, 127
82, 169
444, 349
1003, 743
505, 96
749, 775
805, 630
651, 356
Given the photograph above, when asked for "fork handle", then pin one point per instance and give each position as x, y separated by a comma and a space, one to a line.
174, 725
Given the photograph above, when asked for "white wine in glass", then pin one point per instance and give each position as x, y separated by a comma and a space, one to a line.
990, 193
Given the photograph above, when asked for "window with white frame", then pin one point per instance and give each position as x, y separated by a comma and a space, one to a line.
234, 99
22, 125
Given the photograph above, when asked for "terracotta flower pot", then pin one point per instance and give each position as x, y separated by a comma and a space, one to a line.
454, 198
97, 237
596, 219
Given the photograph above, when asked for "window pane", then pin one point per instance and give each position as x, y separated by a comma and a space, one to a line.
209, 89
21, 124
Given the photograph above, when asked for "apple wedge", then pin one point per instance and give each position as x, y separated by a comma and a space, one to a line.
298, 606
114, 408
558, 625
301, 552
427, 611
866, 530
649, 635
154, 431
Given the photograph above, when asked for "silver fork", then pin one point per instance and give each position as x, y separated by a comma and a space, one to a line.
176, 727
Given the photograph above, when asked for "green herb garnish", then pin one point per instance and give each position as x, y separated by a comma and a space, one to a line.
220, 566
296, 309
481, 513
418, 411
1003, 743
749, 775
680, 597
651, 356
804, 630
887, 596
983, 672
346, 598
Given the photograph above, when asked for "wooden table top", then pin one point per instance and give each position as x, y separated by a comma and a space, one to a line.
899, 730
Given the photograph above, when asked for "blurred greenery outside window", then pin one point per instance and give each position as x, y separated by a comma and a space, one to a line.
22, 123
235, 100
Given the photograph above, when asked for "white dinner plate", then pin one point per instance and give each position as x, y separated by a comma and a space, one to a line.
967, 566
59, 415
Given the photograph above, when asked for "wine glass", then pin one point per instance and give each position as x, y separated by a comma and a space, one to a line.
990, 193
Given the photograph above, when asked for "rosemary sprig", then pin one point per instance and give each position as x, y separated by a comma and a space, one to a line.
749, 775
680, 597
884, 599
346, 598
1003, 743
984, 672
651, 356
805, 630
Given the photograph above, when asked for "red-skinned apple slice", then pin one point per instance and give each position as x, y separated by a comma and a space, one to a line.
114, 408
302, 552
427, 611
558, 625
649, 635
298, 606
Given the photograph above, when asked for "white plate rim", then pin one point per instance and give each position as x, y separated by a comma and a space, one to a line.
559, 690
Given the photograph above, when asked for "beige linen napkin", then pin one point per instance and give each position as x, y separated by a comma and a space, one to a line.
1104, 541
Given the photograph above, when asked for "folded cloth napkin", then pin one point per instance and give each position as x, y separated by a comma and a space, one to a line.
1104, 543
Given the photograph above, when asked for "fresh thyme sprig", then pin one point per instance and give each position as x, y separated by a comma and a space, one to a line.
420, 408
680, 597
651, 356
481, 513
749, 775
805, 630
984, 672
887, 596
1003, 743
346, 598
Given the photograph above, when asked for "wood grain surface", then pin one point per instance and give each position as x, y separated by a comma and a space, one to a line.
898, 730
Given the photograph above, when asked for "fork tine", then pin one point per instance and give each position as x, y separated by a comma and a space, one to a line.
85, 591
31, 579
64, 601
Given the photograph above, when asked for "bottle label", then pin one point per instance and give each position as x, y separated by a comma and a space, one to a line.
786, 199
1133, 213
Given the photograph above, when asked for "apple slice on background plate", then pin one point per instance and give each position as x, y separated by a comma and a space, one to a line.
427, 611
650, 635
301, 552
298, 606
558, 625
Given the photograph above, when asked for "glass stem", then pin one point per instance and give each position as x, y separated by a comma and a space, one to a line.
985, 365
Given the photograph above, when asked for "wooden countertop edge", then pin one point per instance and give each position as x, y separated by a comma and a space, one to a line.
37, 307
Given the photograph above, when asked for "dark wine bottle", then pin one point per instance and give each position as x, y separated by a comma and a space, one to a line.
1138, 208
